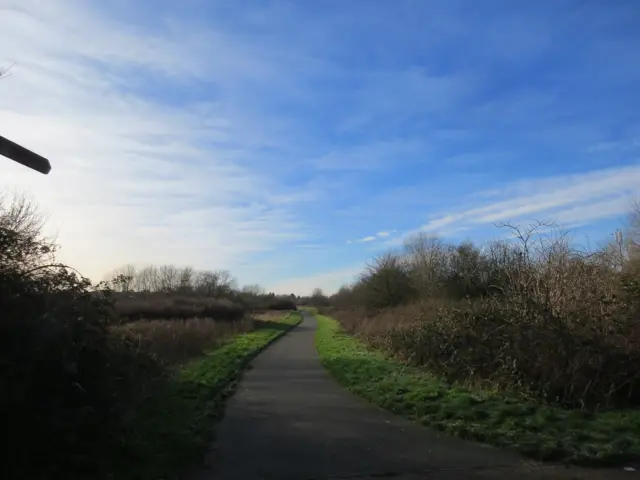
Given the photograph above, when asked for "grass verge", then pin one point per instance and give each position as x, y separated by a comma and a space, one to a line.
175, 425
537, 430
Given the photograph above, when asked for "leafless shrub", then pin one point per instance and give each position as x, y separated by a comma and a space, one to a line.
23, 247
386, 282
531, 313
427, 260
6, 71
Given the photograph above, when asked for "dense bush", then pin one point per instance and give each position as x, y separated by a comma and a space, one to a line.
531, 314
64, 383
280, 304
77, 362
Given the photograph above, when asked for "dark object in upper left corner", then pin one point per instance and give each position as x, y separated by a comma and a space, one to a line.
23, 156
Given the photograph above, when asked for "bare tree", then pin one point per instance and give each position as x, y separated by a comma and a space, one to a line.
5, 72
226, 283
254, 289
168, 278
427, 259
123, 279
147, 279
386, 282
185, 282
22, 245
318, 297
206, 283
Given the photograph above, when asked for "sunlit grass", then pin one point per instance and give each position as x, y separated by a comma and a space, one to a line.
538, 430
174, 426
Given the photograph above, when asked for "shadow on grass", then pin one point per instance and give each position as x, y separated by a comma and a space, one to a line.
174, 424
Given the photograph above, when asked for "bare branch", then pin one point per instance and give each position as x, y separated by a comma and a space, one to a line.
5, 72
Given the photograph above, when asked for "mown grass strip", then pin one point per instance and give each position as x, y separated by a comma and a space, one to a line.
175, 426
535, 429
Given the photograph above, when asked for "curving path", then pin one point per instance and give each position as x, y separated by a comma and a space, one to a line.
290, 420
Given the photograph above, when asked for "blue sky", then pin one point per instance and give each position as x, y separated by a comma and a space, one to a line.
290, 141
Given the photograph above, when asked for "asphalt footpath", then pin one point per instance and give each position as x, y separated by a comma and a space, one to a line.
290, 420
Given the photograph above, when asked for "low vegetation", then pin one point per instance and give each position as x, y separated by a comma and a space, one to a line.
169, 342
190, 292
174, 426
512, 420
136, 306
102, 377
533, 315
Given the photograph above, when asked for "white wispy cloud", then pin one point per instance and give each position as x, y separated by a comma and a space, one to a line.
569, 200
207, 140
553, 196
373, 238
134, 178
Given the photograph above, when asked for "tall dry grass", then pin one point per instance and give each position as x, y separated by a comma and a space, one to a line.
173, 341
268, 315
138, 306
77, 361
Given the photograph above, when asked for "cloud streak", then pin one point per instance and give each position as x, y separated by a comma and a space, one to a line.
258, 138
373, 238
134, 178
569, 200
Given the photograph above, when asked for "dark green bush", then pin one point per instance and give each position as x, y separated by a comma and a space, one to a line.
65, 385
281, 304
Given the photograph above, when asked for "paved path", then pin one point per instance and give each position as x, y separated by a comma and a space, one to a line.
290, 420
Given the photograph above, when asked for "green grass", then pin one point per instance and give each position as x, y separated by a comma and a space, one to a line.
175, 426
535, 429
